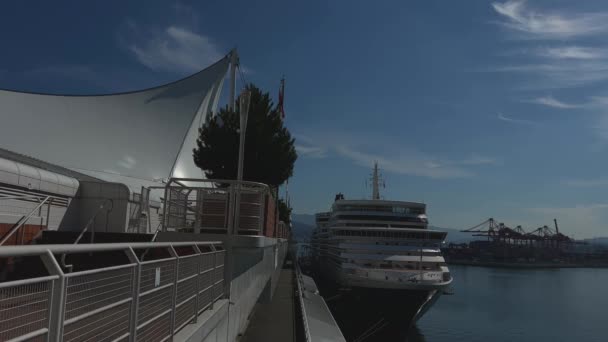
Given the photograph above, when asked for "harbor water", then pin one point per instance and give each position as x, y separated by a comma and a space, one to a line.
500, 304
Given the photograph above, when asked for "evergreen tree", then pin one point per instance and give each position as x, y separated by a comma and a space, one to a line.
284, 212
269, 148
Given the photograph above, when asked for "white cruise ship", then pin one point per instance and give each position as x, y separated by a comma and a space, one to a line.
384, 262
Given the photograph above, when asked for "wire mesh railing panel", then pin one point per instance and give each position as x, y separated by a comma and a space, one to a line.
185, 290
188, 266
107, 325
88, 292
185, 313
157, 331
24, 309
153, 304
156, 274
219, 258
207, 261
205, 298
206, 280
98, 304
218, 289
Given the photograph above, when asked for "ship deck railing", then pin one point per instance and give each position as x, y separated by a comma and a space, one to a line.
158, 290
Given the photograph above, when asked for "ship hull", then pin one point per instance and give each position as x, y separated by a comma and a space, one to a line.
375, 313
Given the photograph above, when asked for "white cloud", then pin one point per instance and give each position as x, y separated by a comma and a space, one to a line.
389, 153
591, 183
476, 159
573, 52
556, 74
556, 66
505, 118
550, 101
311, 151
176, 49
127, 162
404, 162
529, 23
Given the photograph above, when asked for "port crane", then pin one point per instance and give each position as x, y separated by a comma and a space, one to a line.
499, 232
496, 231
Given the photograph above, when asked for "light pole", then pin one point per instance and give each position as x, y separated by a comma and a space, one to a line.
233, 227
244, 113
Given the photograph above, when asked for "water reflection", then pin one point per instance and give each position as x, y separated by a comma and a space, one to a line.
504, 305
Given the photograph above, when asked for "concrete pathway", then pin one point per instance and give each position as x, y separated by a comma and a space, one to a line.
275, 321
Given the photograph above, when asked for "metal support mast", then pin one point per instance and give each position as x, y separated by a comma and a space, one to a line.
375, 183
234, 61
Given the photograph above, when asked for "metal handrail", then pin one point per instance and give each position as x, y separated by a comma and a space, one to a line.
158, 229
228, 181
29, 250
232, 213
301, 299
22, 221
86, 227
68, 302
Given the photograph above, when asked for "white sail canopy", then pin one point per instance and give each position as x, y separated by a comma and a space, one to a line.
141, 133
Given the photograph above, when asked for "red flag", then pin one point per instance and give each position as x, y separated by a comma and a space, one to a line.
281, 98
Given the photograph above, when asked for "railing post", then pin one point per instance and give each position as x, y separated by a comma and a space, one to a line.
214, 276
230, 210
57, 308
228, 245
166, 207
261, 215
198, 218
134, 294
197, 287
237, 209
174, 296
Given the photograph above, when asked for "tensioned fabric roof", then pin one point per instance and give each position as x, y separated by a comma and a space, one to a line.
137, 133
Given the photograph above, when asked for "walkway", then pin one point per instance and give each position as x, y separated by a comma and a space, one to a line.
274, 321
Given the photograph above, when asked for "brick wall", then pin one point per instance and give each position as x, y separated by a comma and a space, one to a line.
271, 218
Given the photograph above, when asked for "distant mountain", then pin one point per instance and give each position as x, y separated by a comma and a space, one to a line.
304, 218
303, 224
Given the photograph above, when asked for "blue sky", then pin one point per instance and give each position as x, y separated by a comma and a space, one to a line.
478, 108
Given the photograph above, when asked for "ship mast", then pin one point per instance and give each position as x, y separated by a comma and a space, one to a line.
376, 183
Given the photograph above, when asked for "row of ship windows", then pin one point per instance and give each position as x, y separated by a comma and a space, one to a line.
379, 218
386, 209
426, 266
383, 225
391, 234
372, 252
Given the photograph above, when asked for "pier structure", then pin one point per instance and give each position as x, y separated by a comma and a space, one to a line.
89, 254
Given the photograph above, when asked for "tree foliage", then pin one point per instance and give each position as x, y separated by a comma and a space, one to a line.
269, 148
284, 212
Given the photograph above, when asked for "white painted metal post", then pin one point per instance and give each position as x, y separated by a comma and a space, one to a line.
226, 288
174, 254
57, 309
134, 294
166, 207
244, 99
199, 259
